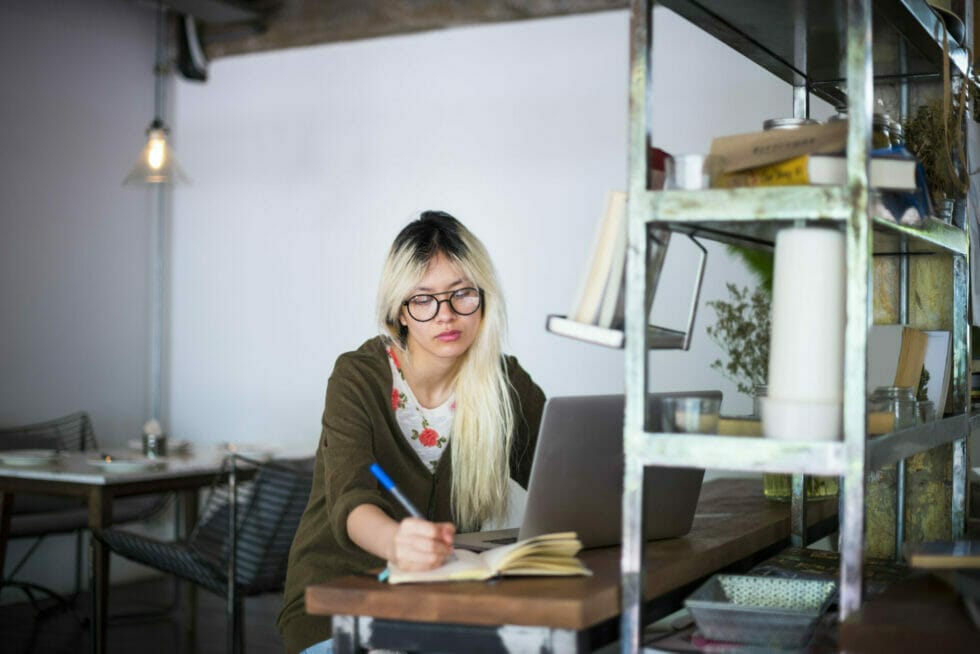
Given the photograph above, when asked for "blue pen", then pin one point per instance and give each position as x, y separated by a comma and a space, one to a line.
390, 487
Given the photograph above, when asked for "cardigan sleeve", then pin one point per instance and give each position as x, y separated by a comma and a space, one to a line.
347, 438
528, 401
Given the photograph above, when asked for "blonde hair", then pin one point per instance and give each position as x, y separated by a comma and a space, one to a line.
484, 422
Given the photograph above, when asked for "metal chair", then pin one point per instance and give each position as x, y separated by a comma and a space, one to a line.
38, 516
244, 532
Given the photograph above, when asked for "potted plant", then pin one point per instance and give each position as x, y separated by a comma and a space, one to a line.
742, 325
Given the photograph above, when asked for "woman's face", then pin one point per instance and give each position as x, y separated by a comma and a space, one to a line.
449, 334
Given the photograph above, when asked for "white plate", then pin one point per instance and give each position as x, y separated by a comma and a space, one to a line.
126, 464
249, 450
28, 457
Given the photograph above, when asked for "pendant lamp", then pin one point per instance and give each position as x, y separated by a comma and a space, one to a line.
157, 163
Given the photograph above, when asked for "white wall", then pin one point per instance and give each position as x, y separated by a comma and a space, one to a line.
76, 94
306, 162
75, 99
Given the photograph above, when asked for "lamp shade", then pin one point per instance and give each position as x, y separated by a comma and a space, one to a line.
157, 163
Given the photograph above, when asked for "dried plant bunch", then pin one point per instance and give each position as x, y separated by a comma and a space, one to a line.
742, 332
934, 134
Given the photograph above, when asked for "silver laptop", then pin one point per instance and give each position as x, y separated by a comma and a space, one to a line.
577, 478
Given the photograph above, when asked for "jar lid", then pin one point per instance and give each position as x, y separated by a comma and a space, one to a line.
788, 123
896, 392
881, 120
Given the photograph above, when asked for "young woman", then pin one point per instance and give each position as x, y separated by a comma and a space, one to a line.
435, 403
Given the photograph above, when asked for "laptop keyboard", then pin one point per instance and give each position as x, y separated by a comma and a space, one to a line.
506, 540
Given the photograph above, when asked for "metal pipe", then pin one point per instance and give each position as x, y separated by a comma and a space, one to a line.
634, 417
859, 94
158, 235
232, 599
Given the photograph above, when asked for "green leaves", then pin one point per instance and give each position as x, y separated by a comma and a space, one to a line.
742, 332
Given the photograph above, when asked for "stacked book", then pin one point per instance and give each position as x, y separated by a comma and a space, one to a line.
815, 155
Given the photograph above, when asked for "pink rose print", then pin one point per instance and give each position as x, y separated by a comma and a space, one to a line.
429, 437
452, 407
395, 399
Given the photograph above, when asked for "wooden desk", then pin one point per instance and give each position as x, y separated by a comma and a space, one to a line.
72, 476
735, 527
922, 614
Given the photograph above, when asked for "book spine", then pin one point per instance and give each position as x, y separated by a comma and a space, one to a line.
791, 172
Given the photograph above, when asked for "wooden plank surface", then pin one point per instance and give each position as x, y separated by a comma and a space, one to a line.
922, 614
734, 521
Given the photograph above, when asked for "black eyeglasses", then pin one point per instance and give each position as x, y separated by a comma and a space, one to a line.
425, 307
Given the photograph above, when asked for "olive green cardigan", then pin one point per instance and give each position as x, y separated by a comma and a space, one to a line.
359, 428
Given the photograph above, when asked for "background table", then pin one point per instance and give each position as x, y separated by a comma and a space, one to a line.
73, 476
735, 527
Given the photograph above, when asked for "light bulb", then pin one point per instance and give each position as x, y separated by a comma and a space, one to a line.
156, 149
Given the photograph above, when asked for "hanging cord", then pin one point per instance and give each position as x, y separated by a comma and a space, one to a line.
159, 69
961, 173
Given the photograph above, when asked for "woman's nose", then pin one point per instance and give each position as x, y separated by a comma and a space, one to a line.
445, 311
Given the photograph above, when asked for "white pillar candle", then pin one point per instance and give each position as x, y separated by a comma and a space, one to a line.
806, 345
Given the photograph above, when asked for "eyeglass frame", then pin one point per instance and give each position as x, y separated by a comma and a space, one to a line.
448, 300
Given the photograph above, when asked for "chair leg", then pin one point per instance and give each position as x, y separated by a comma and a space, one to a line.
236, 628
79, 561
189, 591
29, 589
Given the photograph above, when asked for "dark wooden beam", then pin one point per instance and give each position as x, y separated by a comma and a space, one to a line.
295, 23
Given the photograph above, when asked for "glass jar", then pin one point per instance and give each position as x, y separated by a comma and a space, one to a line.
881, 136
897, 134
759, 391
779, 487
882, 125
925, 411
891, 408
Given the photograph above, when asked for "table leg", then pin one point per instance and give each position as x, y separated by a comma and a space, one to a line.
6, 509
344, 634
99, 517
188, 507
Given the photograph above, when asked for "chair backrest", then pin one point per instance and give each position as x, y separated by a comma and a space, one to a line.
71, 432
269, 508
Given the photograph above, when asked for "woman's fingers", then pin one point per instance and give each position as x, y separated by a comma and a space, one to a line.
422, 545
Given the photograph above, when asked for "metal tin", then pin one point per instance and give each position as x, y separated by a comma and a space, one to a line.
788, 123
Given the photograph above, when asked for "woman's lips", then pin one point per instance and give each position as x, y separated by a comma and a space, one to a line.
448, 337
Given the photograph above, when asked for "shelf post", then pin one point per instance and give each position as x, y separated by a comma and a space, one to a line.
631, 562
858, 237
961, 395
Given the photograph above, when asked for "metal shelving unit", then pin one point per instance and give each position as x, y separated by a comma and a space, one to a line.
831, 49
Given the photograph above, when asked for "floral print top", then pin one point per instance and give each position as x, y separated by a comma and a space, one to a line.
427, 430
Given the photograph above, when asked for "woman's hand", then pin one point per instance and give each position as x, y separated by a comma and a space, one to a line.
412, 544
421, 545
